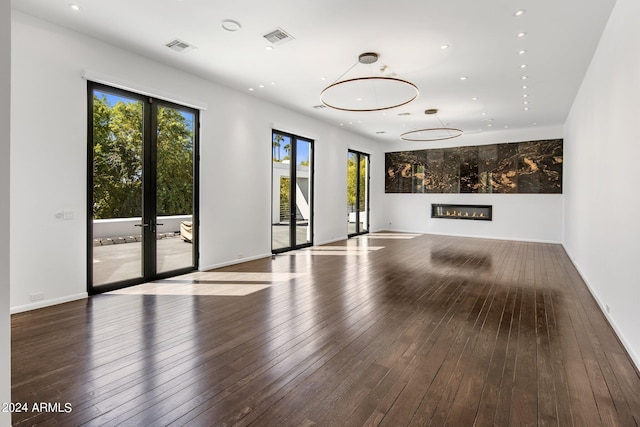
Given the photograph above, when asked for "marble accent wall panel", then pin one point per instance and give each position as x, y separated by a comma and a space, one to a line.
518, 167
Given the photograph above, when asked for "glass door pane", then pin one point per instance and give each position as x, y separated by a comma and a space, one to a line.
352, 186
117, 188
173, 225
281, 206
357, 193
363, 196
303, 194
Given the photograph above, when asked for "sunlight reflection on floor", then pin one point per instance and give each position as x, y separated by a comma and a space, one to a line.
220, 283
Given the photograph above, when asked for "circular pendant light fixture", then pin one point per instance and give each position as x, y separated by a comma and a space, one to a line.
373, 93
432, 134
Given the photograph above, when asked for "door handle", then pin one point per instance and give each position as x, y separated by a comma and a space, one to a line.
141, 225
154, 226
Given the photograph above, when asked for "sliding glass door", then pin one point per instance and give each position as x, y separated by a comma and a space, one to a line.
292, 192
142, 183
357, 193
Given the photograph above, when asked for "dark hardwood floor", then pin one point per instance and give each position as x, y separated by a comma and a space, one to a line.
391, 331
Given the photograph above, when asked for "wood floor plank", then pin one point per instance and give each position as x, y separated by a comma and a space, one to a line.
427, 330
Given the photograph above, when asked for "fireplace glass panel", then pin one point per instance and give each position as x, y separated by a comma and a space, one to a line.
472, 212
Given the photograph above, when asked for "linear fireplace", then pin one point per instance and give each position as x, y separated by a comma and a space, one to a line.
474, 212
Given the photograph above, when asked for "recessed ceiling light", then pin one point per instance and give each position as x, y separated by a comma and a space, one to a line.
250, 89
323, 78
525, 102
526, 108
273, 83
489, 125
341, 124
358, 99
444, 46
522, 52
523, 66
261, 86
475, 98
231, 25
524, 78
522, 34
484, 114
534, 123
269, 48
524, 95
520, 12
74, 7
464, 78
525, 87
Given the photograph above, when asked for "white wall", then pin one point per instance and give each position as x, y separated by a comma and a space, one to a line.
602, 150
48, 161
5, 319
527, 217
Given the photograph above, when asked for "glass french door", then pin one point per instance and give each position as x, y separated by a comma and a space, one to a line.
357, 193
142, 201
292, 192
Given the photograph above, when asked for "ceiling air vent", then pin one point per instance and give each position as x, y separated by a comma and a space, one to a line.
278, 36
179, 46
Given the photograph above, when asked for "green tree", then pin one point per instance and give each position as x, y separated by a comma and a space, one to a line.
351, 181
175, 163
117, 160
352, 173
285, 199
287, 149
275, 146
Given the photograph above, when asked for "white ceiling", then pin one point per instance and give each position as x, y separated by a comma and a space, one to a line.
561, 36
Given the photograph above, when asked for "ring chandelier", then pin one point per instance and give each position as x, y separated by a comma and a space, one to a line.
373, 93
432, 134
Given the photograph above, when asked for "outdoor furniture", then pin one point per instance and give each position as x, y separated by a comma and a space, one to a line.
185, 230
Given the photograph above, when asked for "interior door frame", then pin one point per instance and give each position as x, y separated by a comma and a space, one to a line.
292, 193
359, 156
149, 167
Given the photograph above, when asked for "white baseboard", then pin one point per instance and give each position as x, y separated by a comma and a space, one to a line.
47, 303
233, 262
634, 357
476, 237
